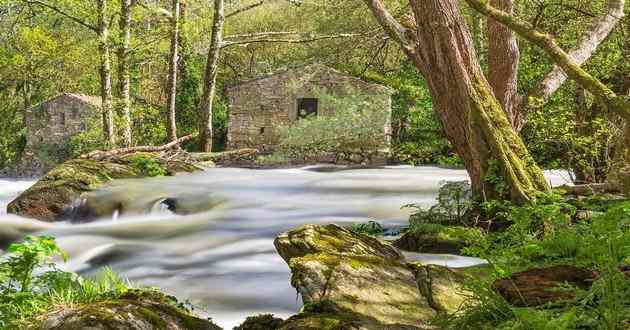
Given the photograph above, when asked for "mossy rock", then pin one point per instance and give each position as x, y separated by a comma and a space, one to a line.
326, 315
368, 285
50, 198
134, 311
261, 322
441, 239
333, 239
443, 287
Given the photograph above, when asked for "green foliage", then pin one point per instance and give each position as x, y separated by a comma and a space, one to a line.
351, 129
371, 228
545, 234
454, 202
147, 165
31, 284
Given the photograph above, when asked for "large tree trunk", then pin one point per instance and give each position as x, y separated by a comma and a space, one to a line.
106, 74
210, 78
123, 71
172, 73
438, 42
503, 60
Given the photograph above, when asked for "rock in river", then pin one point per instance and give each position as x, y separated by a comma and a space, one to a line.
353, 281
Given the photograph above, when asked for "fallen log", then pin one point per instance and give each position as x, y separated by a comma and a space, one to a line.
589, 189
102, 154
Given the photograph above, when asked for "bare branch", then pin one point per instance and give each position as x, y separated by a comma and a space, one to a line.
546, 42
596, 34
62, 13
100, 155
396, 30
304, 38
244, 9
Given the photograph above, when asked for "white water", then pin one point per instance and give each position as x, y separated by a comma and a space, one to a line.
223, 259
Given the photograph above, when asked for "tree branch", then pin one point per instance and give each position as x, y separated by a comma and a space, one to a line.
62, 13
567, 63
269, 38
244, 9
395, 30
100, 155
595, 35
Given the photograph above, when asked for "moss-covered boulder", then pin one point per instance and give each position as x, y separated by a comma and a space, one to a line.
133, 311
52, 197
435, 239
365, 279
234, 158
443, 287
261, 322
332, 239
326, 315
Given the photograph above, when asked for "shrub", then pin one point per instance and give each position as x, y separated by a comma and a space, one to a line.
31, 284
454, 203
353, 132
371, 228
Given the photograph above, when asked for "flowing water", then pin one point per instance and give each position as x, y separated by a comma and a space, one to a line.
220, 255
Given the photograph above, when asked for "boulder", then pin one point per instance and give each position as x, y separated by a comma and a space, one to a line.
133, 311
443, 287
52, 197
261, 322
332, 239
233, 158
366, 281
539, 286
441, 239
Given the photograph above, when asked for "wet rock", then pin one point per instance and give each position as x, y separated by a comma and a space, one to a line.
325, 315
443, 287
133, 311
52, 197
333, 239
442, 239
539, 286
366, 281
261, 322
232, 158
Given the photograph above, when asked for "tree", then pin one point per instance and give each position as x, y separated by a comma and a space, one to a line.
172, 72
503, 59
210, 77
102, 31
123, 70
436, 39
106, 74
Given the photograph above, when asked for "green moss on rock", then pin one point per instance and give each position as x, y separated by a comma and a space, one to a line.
50, 197
137, 310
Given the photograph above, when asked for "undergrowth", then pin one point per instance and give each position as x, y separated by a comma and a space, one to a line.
31, 284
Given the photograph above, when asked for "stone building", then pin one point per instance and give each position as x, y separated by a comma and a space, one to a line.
51, 124
259, 106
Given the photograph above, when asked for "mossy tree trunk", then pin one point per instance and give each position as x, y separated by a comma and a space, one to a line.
173, 60
105, 74
437, 40
124, 79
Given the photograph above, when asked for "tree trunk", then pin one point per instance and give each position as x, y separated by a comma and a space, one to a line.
106, 75
439, 43
172, 73
123, 70
210, 78
503, 60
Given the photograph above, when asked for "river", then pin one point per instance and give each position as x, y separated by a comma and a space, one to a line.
223, 259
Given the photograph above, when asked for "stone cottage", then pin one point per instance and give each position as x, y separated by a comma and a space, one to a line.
51, 124
259, 106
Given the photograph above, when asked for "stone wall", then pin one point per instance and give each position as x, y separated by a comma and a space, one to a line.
49, 127
260, 107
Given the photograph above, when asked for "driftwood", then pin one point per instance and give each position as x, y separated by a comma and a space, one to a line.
102, 154
589, 189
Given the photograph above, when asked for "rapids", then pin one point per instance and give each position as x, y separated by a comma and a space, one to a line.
223, 259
